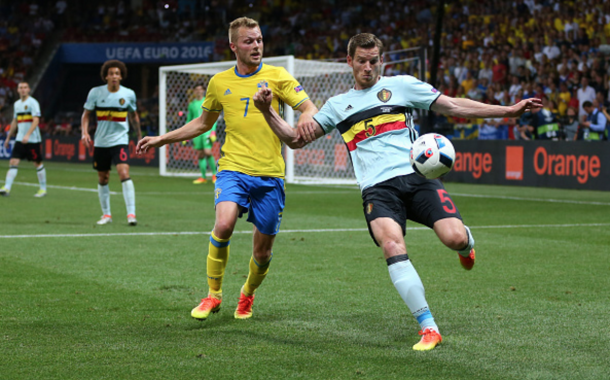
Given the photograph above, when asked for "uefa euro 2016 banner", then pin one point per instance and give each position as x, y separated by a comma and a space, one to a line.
186, 52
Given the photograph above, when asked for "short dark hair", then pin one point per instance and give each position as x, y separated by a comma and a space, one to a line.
364, 40
110, 64
587, 104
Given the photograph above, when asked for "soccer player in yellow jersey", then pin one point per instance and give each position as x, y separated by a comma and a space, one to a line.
251, 167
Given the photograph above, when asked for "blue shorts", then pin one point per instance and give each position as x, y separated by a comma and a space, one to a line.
263, 198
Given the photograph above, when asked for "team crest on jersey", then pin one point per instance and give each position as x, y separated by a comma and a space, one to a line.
121, 101
217, 193
384, 95
262, 83
26, 107
369, 208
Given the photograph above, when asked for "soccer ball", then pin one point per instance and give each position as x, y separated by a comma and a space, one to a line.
432, 155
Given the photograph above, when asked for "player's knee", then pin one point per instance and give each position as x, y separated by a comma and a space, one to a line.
456, 238
261, 255
103, 178
123, 174
392, 248
223, 229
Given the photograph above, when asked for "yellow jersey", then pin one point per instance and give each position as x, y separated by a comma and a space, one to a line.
250, 145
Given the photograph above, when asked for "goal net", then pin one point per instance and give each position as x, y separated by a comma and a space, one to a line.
325, 160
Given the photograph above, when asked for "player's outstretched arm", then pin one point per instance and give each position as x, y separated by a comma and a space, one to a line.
462, 107
262, 101
192, 129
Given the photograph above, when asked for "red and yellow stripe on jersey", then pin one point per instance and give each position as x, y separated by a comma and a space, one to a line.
24, 117
111, 114
373, 126
372, 122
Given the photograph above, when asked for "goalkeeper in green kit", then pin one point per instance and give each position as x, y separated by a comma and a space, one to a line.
202, 143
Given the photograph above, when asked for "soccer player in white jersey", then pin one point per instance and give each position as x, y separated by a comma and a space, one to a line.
114, 105
26, 116
374, 119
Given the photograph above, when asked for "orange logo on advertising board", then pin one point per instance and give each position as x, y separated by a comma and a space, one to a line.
582, 167
474, 163
82, 151
514, 163
48, 149
67, 150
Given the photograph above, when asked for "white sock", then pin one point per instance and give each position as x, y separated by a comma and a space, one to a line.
10, 177
104, 193
42, 177
129, 193
411, 289
466, 251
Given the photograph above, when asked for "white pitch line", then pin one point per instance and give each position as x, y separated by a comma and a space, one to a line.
131, 171
547, 200
295, 231
531, 199
288, 193
61, 187
74, 188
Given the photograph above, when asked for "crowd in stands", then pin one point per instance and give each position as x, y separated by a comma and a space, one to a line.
23, 29
505, 51
496, 52
153, 21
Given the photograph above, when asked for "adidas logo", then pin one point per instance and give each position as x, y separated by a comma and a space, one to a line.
349, 107
228, 92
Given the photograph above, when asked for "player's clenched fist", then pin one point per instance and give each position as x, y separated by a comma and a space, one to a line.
262, 98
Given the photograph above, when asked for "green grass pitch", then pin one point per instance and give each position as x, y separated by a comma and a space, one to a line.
76, 304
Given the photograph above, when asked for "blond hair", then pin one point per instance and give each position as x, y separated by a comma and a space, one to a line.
238, 23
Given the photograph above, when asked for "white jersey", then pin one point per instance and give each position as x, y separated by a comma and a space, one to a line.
111, 109
25, 112
377, 125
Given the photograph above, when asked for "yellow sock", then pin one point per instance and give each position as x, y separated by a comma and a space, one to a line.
256, 276
218, 255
